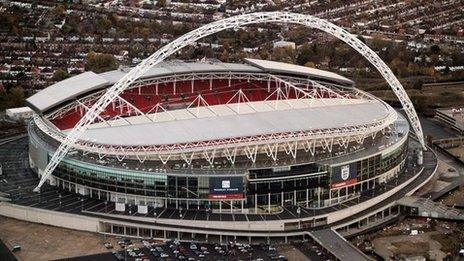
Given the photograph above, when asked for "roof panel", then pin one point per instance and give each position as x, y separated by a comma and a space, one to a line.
271, 66
63, 90
240, 125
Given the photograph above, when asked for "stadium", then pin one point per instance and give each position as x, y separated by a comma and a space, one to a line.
204, 134
206, 149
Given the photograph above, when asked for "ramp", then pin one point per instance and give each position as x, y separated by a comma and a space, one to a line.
424, 207
337, 245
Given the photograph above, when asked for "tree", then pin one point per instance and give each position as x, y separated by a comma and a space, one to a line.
310, 65
161, 3
435, 49
59, 10
418, 85
60, 75
16, 97
100, 62
283, 54
304, 54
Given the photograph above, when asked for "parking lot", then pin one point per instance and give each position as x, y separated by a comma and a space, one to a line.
175, 250
134, 249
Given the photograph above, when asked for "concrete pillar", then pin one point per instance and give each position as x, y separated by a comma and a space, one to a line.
269, 202
256, 203
307, 198
294, 197
330, 196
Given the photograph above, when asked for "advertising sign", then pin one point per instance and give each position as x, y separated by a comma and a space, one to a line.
343, 176
225, 188
120, 207
142, 209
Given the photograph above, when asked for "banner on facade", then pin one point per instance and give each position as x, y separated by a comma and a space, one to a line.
225, 187
343, 176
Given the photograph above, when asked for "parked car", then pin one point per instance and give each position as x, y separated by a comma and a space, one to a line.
16, 248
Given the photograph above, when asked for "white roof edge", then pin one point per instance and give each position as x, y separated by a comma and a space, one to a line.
64, 90
273, 66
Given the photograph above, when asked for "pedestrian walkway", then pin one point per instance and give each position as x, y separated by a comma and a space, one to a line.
337, 245
424, 207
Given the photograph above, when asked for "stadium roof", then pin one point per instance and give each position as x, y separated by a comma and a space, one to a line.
279, 67
87, 82
66, 89
240, 125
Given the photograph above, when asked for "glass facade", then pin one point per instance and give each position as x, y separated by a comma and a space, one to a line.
304, 184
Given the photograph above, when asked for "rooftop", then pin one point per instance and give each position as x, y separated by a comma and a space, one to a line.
337, 114
87, 82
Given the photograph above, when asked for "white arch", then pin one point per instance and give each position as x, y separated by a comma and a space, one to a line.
231, 22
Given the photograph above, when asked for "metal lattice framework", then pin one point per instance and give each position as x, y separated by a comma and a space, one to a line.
209, 29
294, 83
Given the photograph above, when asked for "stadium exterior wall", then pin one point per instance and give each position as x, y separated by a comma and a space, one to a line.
94, 224
48, 217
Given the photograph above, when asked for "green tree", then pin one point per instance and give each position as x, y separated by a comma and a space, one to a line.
60, 75
100, 62
435, 49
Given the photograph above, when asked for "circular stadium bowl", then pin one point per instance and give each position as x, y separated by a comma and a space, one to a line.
258, 137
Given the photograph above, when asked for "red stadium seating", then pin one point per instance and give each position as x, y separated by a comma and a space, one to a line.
179, 95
